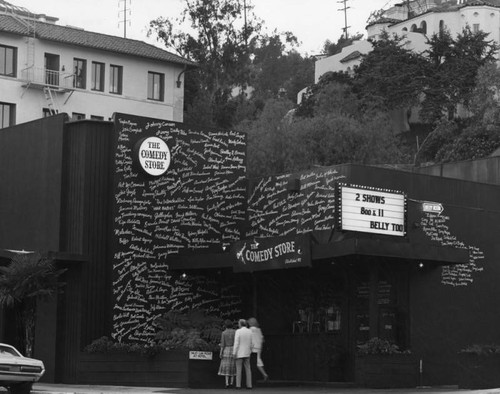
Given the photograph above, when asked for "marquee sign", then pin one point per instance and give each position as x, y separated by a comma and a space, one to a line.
258, 254
372, 210
153, 156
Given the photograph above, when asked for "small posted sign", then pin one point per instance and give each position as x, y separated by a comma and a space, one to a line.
200, 355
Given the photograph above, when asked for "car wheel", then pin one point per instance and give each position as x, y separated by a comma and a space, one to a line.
21, 388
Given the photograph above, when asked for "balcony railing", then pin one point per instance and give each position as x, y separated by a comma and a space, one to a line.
43, 77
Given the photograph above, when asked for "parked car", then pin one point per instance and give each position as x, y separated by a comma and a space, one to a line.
17, 373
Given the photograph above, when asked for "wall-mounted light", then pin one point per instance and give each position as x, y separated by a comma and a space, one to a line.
184, 275
420, 265
293, 185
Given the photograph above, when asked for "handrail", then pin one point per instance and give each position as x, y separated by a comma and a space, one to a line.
46, 77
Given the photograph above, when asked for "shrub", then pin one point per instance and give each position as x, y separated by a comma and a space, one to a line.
380, 346
194, 330
481, 349
106, 345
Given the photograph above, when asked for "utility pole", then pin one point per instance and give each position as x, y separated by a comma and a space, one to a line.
345, 8
245, 23
124, 12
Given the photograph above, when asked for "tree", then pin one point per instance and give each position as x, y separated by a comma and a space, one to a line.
27, 279
342, 129
330, 48
485, 98
452, 68
278, 69
268, 141
221, 42
391, 72
308, 105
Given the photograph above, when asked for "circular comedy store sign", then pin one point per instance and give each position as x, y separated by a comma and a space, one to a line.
153, 155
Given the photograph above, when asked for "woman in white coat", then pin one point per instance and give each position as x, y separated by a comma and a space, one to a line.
257, 342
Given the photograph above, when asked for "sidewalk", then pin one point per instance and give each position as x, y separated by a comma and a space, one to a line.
43, 388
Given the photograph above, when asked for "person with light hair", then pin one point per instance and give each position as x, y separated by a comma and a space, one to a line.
257, 343
242, 350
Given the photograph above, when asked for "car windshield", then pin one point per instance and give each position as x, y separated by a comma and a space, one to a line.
8, 351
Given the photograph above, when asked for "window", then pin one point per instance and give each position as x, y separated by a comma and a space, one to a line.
442, 26
8, 60
97, 76
115, 79
475, 27
156, 83
77, 116
423, 27
7, 115
80, 71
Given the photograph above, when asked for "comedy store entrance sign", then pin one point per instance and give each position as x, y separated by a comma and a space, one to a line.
258, 254
153, 156
372, 210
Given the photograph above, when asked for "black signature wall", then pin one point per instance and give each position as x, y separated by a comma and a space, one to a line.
198, 206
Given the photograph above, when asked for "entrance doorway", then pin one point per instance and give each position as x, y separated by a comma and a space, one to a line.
381, 301
303, 313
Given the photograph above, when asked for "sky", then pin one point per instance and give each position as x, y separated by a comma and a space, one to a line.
311, 21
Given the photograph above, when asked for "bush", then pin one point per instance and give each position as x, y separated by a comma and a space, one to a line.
106, 345
380, 346
473, 143
481, 349
194, 330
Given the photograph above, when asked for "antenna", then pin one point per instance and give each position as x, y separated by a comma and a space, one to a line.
345, 8
124, 13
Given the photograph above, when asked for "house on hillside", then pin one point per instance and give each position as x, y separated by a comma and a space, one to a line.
46, 68
416, 20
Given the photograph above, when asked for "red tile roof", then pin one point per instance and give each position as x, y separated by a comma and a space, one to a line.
352, 56
73, 36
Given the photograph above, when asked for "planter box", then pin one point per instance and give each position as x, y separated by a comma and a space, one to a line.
169, 369
386, 371
202, 373
478, 372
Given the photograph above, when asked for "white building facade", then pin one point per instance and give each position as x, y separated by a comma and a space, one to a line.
427, 17
46, 68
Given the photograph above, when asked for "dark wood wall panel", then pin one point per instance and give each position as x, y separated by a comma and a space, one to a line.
30, 195
87, 218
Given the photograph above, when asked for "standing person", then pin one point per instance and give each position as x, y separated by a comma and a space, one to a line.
227, 366
257, 342
242, 351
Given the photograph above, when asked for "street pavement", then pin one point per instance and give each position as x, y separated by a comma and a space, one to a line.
44, 388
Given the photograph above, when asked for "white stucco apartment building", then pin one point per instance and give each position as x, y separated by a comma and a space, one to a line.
46, 68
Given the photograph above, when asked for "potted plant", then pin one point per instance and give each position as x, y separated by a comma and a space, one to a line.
200, 334
166, 362
478, 366
381, 364
28, 279
105, 361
